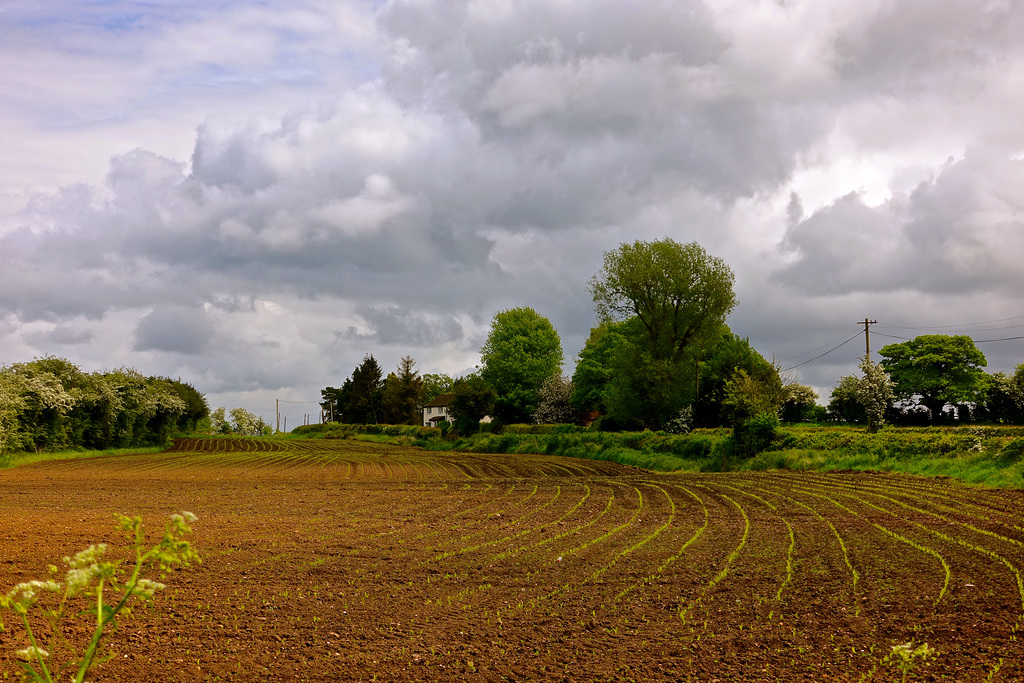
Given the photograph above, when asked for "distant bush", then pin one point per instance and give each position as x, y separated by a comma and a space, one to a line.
542, 429
1012, 452
340, 430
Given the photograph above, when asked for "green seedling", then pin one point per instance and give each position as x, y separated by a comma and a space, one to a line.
99, 583
906, 656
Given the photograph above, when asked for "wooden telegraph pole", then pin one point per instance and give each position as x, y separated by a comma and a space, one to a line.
867, 336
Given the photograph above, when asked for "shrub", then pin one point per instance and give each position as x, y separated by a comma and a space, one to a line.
1012, 452
755, 434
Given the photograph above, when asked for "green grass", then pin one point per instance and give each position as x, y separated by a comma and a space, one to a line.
8, 460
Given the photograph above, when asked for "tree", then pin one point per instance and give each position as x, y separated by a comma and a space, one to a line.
1004, 397
474, 400
874, 391
594, 366
435, 384
248, 424
196, 407
723, 359
673, 299
863, 399
403, 394
936, 369
521, 351
679, 293
218, 422
333, 400
49, 403
364, 400
748, 395
645, 392
360, 398
555, 404
843, 404
799, 404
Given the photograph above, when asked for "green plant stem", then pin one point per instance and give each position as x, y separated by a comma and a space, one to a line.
35, 649
101, 622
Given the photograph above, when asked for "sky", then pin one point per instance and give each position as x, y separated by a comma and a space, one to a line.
252, 196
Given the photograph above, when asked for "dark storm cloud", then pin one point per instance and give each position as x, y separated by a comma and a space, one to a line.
396, 326
176, 330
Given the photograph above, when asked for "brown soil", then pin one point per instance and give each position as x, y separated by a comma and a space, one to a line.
351, 560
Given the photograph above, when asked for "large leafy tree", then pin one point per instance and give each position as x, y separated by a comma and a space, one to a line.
936, 369
594, 366
679, 293
521, 351
671, 300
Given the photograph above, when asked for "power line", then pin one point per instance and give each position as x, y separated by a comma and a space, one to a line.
963, 326
807, 362
806, 353
985, 341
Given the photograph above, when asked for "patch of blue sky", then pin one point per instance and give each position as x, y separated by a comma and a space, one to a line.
219, 76
115, 16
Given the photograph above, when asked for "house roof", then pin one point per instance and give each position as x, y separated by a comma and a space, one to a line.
440, 400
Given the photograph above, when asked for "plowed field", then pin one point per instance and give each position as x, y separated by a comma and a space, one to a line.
350, 560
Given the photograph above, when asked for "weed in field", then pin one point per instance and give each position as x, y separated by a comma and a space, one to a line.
91, 577
906, 656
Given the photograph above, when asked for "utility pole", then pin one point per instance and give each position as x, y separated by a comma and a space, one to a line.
277, 411
867, 336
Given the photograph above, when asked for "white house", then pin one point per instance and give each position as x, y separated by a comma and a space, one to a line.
437, 410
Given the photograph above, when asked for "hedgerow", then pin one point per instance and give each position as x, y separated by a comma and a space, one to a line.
988, 454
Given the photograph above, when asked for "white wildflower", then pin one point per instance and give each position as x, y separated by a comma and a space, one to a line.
84, 558
147, 587
24, 594
32, 652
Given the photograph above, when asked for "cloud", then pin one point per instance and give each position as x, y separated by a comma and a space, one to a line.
958, 233
61, 335
173, 329
395, 326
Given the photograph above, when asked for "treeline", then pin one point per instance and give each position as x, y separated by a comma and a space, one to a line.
661, 358
933, 379
50, 404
